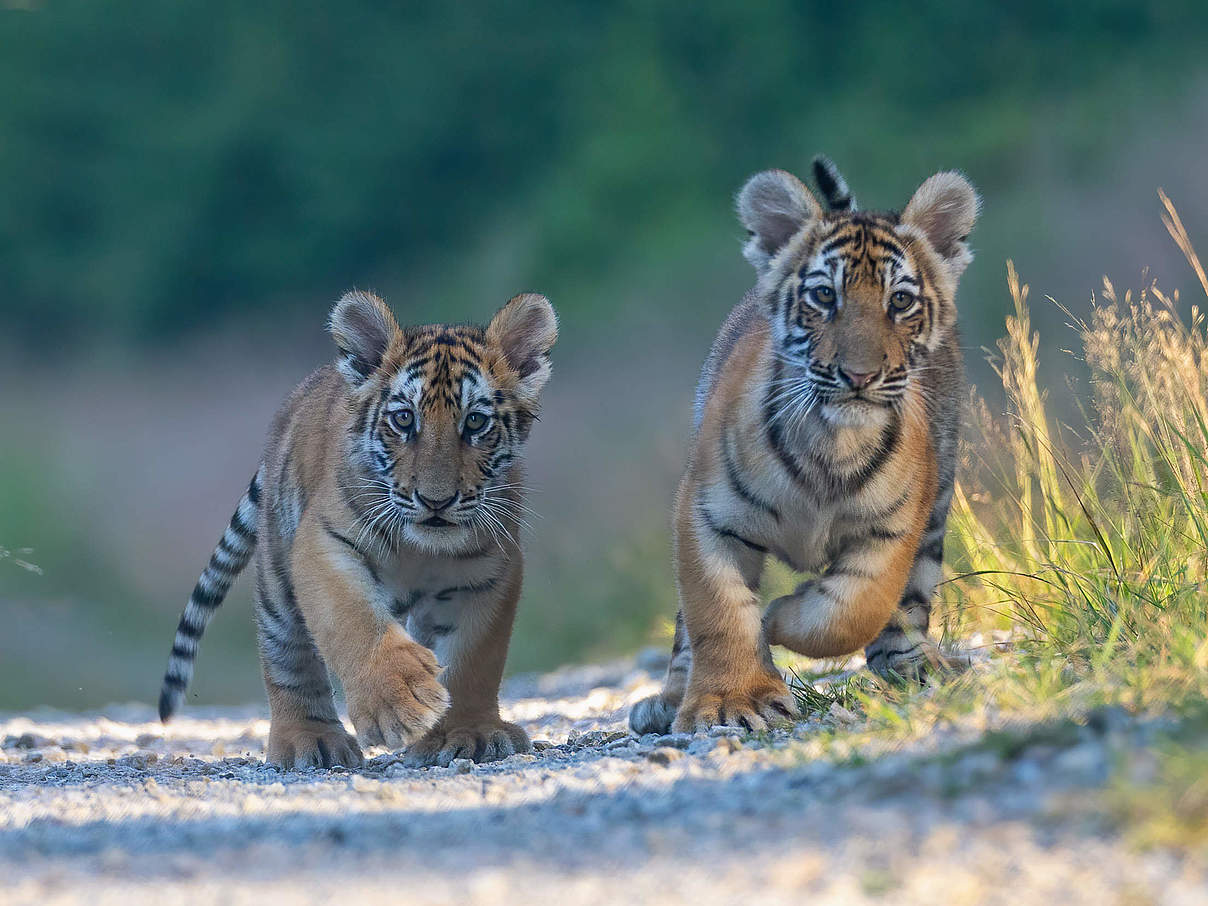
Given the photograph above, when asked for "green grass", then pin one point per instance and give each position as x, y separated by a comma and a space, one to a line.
1089, 538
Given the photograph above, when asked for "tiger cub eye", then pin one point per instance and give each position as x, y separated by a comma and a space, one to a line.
823, 295
402, 420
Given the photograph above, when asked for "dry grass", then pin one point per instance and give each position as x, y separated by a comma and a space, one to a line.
1092, 539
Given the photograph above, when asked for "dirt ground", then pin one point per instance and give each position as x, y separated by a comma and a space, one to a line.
111, 807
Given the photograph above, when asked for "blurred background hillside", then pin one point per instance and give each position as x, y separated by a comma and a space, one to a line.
185, 187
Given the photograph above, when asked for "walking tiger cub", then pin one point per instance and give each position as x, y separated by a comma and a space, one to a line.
827, 418
383, 518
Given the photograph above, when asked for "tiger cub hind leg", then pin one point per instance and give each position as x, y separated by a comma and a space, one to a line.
305, 732
656, 713
903, 650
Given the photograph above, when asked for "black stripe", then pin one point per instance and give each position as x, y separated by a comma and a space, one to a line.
839, 242
838, 571
737, 485
845, 485
174, 682
441, 628
880, 533
723, 532
897, 652
347, 542
892, 509
188, 630
401, 607
253, 490
776, 437
474, 587
207, 599
181, 651
914, 597
242, 529
225, 547
934, 550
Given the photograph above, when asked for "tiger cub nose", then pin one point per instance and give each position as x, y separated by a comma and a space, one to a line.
858, 380
435, 505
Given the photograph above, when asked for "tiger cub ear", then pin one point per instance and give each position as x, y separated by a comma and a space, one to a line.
524, 330
945, 209
774, 205
363, 329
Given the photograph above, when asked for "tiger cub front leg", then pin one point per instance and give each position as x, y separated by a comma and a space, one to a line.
390, 680
472, 727
845, 609
731, 679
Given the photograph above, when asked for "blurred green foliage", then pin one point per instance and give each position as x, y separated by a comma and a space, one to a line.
165, 164
173, 172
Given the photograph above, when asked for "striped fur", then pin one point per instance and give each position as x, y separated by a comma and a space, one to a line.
827, 417
384, 521
835, 193
232, 554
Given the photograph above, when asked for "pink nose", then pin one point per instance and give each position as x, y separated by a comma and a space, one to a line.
857, 379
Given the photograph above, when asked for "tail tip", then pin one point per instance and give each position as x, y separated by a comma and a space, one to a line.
169, 701
831, 183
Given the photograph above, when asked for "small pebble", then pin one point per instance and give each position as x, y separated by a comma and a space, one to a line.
665, 755
675, 740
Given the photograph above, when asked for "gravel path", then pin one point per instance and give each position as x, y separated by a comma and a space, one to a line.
111, 807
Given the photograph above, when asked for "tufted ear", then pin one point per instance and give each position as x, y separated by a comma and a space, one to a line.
363, 329
945, 209
524, 330
774, 205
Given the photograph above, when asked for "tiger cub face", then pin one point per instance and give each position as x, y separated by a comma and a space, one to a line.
856, 300
441, 415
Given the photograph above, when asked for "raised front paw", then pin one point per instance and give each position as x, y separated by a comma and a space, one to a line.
307, 744
750, 706
397, 698
484, 741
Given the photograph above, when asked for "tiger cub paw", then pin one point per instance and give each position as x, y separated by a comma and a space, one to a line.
489, 740
896, 657
308, 744
754, 706
653, 714
397, 697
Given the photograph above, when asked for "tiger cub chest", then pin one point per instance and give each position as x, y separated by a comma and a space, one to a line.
431, 596
783, 501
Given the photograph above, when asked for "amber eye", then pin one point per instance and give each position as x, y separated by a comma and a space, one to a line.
901, 301
475, 422
823, 296
401, 420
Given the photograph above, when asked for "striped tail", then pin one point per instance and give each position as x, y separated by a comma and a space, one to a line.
832, 185
228, 560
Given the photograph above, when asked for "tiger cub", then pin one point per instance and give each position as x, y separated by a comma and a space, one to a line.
826, 427
384, 519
